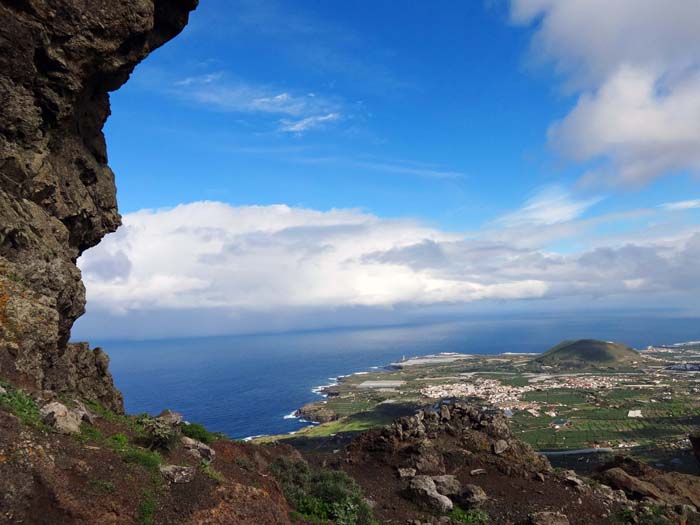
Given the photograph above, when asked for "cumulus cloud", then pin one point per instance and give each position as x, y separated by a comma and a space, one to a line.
209, 256
634, 65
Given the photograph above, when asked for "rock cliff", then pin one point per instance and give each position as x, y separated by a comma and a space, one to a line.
59, 59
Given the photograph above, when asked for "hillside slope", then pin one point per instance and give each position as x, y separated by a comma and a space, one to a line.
589, 352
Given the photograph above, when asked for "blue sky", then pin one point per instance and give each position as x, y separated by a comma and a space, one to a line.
438, 115
452, 123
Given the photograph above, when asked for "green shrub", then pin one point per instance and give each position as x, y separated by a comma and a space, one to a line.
198, 432
119, 442
157, 435
475, 516
324, 495
22, 406
146, 458
147, 509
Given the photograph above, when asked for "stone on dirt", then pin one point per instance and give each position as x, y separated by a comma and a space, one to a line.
447, 485
423, 492
198, 449
59, 417
473, 496
178, 473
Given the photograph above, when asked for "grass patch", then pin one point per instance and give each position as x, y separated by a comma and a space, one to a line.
474, 516
212, 473
322, 495
146, 458
118, 442
21, 405
198, 432
89, 434
147, 509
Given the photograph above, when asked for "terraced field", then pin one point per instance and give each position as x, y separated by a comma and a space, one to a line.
645, 409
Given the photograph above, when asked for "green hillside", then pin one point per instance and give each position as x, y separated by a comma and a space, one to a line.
589, 352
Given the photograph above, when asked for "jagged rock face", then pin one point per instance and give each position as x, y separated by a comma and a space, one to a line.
59, 59
430, 441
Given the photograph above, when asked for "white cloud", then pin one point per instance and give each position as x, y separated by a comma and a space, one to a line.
635, 65
681, 205
212, 257
550, 205
219, 92
298, 126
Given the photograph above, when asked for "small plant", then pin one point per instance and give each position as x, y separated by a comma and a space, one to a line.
322, 495
89, 434
146, 458
474, 516
147, 509
157, 434
198, 432
22, 406
119, 442
212, 473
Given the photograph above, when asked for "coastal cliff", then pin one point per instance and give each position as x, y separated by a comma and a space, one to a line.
59, 59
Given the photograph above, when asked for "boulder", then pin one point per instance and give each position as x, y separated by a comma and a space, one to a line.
59, 417
500, 446
177, 473
548, 518
2, 391
170, 418
472, 496
634, 488
423, 492
572, 479
447, 485
198, 449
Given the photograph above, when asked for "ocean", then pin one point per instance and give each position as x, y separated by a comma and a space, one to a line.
250, 385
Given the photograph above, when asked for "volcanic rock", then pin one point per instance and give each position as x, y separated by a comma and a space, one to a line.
177, 473
61, 418
423, 492
447, 485
472, 496
59, 60
198, 450
170, 418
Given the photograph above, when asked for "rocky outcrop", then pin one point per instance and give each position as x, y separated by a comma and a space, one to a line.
316, 412
59, 59
640, 481
694, 438
465, 457
430, 441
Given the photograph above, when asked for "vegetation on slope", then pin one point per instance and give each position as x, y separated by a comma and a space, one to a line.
589, 352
